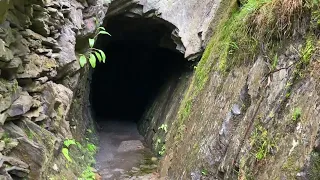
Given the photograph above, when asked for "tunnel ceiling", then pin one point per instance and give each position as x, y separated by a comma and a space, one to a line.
141, 57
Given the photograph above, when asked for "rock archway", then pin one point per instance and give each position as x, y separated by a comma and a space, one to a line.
141, 58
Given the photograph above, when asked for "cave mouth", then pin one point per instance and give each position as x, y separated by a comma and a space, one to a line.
141, 57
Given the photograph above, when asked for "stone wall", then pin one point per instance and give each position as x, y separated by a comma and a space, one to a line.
40, 84
252, 121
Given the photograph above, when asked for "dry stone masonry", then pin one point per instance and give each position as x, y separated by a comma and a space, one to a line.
37, 56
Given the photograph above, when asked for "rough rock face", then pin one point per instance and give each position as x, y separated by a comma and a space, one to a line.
191, 18
252, 121
44, 96
38, 63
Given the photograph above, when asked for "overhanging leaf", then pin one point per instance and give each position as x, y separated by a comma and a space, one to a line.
91, 42
92, 60
82, 60
103, 56
98, 56
102, 28
104, 32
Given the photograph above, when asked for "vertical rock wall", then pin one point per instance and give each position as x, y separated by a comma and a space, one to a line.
39, 76
257, 119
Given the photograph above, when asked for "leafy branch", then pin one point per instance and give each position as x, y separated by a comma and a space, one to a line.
93, 54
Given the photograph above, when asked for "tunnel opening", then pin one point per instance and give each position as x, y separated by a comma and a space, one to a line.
141, 61
141, 57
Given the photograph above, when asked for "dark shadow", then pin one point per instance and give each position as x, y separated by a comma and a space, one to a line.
140, 59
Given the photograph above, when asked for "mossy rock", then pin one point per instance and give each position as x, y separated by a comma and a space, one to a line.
4, 6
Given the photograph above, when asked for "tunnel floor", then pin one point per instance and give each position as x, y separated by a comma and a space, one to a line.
122, 153
136, 68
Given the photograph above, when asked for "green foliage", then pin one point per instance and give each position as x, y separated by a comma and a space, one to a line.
204, 172
162, 151
274, 62
296, 114
69, 142
30, 134
87, 174
91, 148
262, 143
157, 143
164, 127
94, 54
307, 51
65, 152
6, 139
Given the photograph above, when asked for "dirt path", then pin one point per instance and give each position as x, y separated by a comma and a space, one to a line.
122, 154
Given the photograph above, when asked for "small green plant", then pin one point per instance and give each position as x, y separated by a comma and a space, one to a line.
87, 174
204, 172
69, 142
157, 142
162, 151
296, 114
275, 62
164, 127
91, 147
89, 131
29, 134
307, 51
65, 152
93, 54
262, 143
6, 139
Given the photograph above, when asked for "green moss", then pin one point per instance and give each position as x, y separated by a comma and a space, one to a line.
30, 134
296, 114
314, 166
290, 167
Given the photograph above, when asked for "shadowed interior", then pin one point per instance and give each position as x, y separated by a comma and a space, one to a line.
140, 58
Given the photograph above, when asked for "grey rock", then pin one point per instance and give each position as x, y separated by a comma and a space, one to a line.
35, 156
56, 100
21, 105
3, 118
14, 63
236, 109
5, 53
49, 41
35, 86
67, 42
19, 172
131, 145
9, 92
37, 65
2, 145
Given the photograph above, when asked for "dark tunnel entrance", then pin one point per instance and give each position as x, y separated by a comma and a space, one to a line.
140, 58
